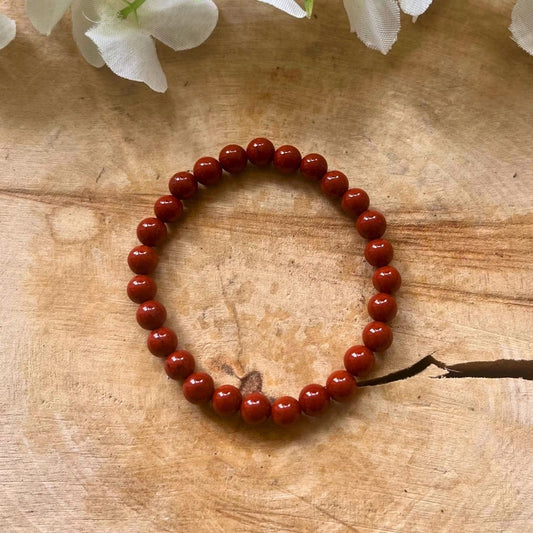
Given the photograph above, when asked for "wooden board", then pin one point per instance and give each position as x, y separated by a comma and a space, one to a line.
264, 275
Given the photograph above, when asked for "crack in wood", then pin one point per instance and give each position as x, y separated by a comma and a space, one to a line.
500, 368
233, 310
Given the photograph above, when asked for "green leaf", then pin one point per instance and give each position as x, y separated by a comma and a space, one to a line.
130, 8
308, 8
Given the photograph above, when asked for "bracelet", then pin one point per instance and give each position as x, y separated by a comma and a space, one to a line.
198, 387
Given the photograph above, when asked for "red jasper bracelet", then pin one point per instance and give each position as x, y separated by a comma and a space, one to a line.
198, 387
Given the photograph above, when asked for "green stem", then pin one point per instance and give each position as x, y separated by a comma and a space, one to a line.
131, 8
309, 8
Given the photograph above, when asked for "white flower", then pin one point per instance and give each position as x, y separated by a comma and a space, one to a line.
84, 15
522, 24
125, 44
376, 22
414, 7
45, 14
289, 6
8, 30
127, 47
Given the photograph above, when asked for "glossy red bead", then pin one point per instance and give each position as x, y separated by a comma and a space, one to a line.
334, 184
371, 224
260, 152
183, 185
354, 202
377, 336
143, 259
226, 400
233, 158
162, 342
359, 360
314, 399
387, 279
341, 385
198, 387
382, 307
141, 288
379, 252
151, 231
168, 208
151, 314
285, 411
255, 408
313, 167
207, 171
179, 364
287, 159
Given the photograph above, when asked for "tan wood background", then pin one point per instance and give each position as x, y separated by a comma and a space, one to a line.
265, 275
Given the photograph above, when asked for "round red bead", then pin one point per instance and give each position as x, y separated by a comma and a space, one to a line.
207, 171
198, 387
143, 259
151, 231
233, 158
354, 202
287, 159
255, 408
359, 360
162, 341
285, 411
179, 364
260, 152
314, 399
382, 307
334, 184
379, 252
168, 208
371, 224
183, 185
151, 314
387, 279
341, 385
141, 288
226, 400
313, 167
377, 336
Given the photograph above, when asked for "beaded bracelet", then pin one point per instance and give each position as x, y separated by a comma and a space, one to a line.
198, 387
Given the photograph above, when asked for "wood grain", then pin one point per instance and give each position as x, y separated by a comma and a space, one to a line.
265, 278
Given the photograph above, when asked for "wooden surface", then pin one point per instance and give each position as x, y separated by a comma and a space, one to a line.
266, 276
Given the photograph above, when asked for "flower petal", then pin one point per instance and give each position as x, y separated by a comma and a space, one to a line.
180, 24
8, 29
376, 22
129, 51
522, 25
289, 6
83, 17
45, 14
414, 7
